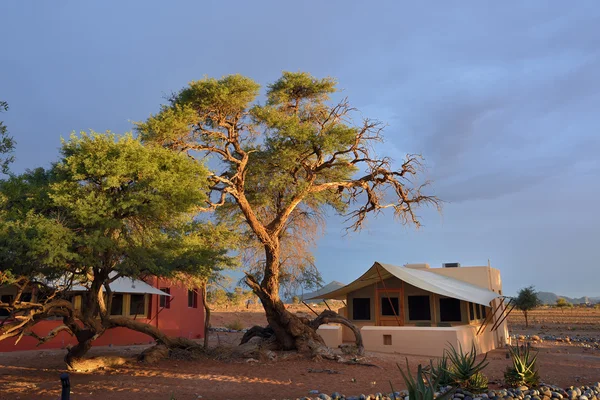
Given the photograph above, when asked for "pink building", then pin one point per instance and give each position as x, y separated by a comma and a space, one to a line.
172, 308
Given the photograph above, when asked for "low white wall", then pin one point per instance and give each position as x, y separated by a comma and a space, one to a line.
426, 341
331, 334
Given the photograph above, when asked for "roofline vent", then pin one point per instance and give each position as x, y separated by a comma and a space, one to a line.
451, 265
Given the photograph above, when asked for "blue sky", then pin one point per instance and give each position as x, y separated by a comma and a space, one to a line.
500, 97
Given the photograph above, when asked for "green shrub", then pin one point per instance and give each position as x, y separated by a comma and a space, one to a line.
464, 366
477, 383
439, 372
523, 370
423, 387
235, 325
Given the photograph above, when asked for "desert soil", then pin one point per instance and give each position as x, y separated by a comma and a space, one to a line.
35, 374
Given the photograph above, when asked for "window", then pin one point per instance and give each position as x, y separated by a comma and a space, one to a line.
137, 304
471, 311
361, 309
478, 309
6, 298
165, 301
192, 299
419, 308
387, 340
450, 310
389, 306
483, 311
116, 307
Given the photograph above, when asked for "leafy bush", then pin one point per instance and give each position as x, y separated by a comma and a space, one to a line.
464, 367
423, 387
523, 371
235, 325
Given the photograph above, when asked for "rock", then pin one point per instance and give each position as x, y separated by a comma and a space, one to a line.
323, 396
535, 337
335, 395
557, 395
313, 392
459, 395
583, 398
523, 388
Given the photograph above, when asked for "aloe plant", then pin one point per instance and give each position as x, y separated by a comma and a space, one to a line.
523, 370
422, 387
439, 372
464, 366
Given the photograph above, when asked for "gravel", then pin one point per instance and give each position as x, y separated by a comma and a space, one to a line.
543, 392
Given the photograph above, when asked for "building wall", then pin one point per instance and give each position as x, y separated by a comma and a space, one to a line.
426, 341
178, 320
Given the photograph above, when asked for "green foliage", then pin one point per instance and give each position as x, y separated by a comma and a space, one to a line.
7, 143
422, 387
562, 303
439, 372
110, 205
477, 383
527, 299
523, 370
278, 167
464, 366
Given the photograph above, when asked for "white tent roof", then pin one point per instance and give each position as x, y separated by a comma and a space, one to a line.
330, 287
421, 278
126, 285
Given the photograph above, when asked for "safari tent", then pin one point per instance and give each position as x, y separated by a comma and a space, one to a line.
419, 310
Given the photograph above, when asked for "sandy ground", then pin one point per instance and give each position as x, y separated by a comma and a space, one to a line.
35, 374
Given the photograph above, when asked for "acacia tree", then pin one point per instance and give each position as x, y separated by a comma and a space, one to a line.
562, 303
7, 143
283, 162
109, 208
526, 300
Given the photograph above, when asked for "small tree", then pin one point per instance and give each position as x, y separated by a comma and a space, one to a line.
562, 303
527, 299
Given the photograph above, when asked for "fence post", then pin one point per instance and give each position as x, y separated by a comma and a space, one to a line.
66, 386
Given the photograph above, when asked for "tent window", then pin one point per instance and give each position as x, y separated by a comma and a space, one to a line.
165, 301
388, 309
361, 309
483, 311
419, 308
478, 309
116, 307
471, 311
450, 310
137, 304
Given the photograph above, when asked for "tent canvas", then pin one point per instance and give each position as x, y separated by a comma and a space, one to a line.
421, 278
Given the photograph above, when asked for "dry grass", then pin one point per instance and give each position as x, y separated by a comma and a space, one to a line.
95, 363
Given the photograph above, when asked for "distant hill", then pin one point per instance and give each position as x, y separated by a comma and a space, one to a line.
550, 298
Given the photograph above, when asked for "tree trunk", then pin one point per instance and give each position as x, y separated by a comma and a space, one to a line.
206, 316
291, 332
85, 337
526, 320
